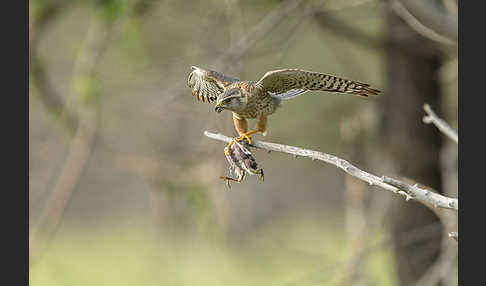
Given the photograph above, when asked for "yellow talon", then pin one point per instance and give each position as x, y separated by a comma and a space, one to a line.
247, 135
241, 137
244, 136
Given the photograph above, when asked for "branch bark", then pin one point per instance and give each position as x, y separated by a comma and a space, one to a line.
386, 183
439, 123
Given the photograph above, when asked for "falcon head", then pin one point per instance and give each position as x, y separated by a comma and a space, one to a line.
232, 99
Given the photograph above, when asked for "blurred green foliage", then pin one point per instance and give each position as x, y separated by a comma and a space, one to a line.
87, 88
301, 251
111, 10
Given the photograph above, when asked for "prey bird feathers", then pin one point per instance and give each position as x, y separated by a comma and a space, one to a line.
241, 162
259, 99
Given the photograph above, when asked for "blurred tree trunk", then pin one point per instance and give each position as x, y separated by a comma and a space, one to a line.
412, 146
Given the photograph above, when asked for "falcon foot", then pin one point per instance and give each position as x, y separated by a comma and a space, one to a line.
240, 138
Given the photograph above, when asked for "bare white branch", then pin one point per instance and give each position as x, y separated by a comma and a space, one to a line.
439, 123
386, 183
454, 235
420, 194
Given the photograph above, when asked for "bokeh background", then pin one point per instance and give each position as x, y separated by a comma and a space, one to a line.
125, 188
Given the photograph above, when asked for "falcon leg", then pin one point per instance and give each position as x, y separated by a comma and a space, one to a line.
261, 126
241, 125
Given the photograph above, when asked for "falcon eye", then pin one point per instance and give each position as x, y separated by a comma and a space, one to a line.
227, 100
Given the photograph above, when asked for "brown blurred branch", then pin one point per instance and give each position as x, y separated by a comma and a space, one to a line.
358, 221
326, 20
43, 18
343, 29
442, 266
48, 95
439, 123
76, 160
142, 7
357, 231
451, 6
85, 68
386, 183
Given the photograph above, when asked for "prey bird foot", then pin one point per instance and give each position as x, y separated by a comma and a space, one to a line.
228, 179
262, 177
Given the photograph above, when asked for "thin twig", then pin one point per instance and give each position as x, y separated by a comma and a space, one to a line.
328, 21
439, 123
454, 235
417, 26
431, 17
343, 29
408, 191
259, 31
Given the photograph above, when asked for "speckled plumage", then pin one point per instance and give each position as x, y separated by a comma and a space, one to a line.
257, 100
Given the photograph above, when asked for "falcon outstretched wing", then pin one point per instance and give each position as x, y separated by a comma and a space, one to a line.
208, 84
288, 83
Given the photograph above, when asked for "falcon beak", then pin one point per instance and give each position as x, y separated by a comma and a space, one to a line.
218, 108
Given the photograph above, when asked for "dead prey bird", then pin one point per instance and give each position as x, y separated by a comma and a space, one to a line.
241, 162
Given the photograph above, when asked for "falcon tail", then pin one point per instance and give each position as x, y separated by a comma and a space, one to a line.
340, 85
360, 89
345, 86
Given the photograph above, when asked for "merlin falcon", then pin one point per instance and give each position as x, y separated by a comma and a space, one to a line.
259, 99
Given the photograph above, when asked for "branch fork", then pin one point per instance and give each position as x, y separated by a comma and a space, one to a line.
410, 192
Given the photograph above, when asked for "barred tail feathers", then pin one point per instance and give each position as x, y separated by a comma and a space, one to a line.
361, 89
340, 85
289, 83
